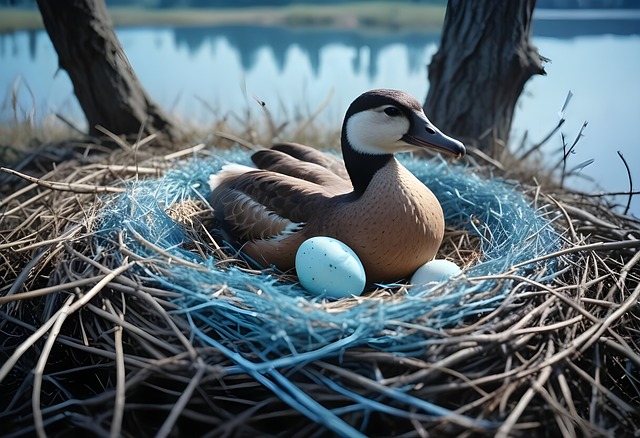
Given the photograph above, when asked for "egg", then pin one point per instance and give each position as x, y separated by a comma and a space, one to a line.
435, 271
326, 266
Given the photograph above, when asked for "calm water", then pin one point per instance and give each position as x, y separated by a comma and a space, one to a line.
294, 71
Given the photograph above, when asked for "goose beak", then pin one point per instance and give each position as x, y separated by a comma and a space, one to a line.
424, 134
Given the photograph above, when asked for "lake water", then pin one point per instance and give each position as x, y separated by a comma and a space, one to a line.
294, 70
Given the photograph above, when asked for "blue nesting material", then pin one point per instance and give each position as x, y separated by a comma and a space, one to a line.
263, 324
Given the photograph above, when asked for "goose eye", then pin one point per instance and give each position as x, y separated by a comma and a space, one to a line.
392, 111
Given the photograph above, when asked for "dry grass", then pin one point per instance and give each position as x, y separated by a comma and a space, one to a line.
87, 345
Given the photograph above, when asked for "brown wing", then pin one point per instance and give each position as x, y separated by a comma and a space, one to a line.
261, 204
307, 154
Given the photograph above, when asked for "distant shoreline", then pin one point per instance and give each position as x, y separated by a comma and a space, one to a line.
586, 14
377, 15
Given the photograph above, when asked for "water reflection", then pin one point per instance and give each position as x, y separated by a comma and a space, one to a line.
244, 38
248, 40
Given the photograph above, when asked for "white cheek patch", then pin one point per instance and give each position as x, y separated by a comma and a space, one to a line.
373, 132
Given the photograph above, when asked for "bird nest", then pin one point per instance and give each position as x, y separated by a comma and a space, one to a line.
122, 315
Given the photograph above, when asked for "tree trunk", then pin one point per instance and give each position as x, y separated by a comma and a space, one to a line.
485, 58
104, 82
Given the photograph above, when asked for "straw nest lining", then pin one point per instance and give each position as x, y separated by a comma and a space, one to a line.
148, 325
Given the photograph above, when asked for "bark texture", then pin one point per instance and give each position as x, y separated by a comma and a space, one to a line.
106, 86
484, 60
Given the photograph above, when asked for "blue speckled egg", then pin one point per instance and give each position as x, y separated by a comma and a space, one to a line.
326, 266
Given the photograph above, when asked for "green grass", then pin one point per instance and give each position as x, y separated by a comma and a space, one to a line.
385, 15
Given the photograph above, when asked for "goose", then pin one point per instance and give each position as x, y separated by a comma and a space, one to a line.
368, 200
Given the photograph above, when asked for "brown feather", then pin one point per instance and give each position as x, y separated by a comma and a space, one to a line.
308, 154
261, 204
280, 162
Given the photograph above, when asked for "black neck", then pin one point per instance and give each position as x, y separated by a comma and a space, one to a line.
361, 167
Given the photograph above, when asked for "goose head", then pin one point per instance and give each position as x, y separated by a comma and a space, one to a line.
380, 123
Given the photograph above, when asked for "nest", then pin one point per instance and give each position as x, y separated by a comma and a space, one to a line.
122, 315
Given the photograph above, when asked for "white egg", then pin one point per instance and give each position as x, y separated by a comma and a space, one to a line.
435, 271
326, 266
